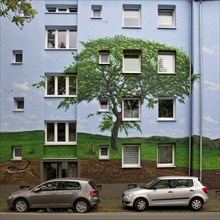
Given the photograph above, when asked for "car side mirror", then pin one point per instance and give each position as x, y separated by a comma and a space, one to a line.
36, 190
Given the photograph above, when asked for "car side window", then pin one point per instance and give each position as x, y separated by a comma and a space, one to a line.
49, 186
183, 183
65, 185
162, 184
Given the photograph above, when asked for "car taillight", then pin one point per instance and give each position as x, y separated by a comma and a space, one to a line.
93, 193
205, 190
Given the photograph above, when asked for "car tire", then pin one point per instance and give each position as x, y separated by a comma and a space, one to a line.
196, 204
140, 205
81, 206
21, 205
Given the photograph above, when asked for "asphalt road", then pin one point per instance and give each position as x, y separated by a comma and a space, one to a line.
114, 216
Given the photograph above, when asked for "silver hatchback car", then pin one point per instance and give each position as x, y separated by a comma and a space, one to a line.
167, 191
77, 193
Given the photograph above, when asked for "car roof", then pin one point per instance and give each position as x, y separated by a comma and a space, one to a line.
177, 177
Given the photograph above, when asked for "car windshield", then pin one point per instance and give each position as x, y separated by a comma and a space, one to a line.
150, 184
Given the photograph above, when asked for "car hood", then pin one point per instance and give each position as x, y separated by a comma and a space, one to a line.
133, 190
22, 191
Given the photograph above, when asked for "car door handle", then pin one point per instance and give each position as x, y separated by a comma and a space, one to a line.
191, 190
170, 192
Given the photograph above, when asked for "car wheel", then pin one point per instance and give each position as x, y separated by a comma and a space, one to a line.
21, 205
140, 205
81, 206
196, 204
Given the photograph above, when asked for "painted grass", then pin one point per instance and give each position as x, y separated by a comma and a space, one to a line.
33, 141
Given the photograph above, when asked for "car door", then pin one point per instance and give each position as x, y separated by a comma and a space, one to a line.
44, 196
161, 194
67, 193
182, 192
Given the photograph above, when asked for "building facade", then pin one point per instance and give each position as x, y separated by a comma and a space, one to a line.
168, 111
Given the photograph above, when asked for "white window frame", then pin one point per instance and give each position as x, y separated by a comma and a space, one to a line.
127, 60
104, 53
174, 109
15, 157
166, 18
57, 42
67, 78
130, 165
123, 110
67, 135
15, 53
96, 11
59, 10
101, 109
169, 62
172, 164
16, 104
103, 157
135, 14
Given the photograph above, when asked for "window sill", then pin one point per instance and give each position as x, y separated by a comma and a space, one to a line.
18, 63
131, 167
166, 166
171, 28
61, 13
163, 73
60, 96
98, 18
60, 49
16, 159
131, 119
166, 120
131, 27
60, 144
18, 110
104, 158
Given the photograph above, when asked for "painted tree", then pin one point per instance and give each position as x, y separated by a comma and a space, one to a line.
112, 81
17, 11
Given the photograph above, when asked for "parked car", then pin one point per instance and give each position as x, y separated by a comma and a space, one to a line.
167, 191
77, 193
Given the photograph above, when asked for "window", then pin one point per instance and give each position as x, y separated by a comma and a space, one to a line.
96, 11
166, 62
63, 9
131, 16
60, 133
131, 109
104, 152
131, 62
130, 156
59, 169
165, 155
52, 186
103, 106
184, 183
61, 39
166, 109
17, 153
17, 57
61, 86
19, 104
104, 57
166, 16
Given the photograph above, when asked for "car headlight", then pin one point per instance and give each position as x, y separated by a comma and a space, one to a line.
129, 195
11, 197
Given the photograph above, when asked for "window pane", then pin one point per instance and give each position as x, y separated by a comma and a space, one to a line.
72, 85
50, 85
104, 151
166, 108
104, 105
131, 18
131, 63
131, 155
61, 85
165, 154
51, 10
166, 63
165, 18
61, 39
17, 152
131, 108
50, 132
72, 132
64, 169
72, 39
18, 57
104, 58
61, 132
96, 13
51, 170
51, 39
